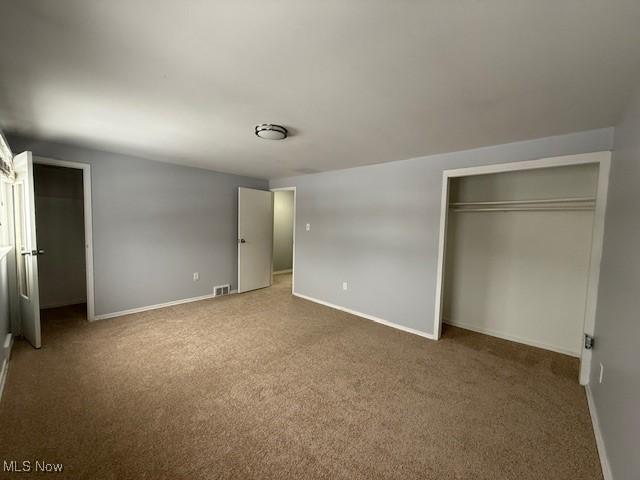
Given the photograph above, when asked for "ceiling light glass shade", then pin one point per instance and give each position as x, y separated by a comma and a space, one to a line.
271, 132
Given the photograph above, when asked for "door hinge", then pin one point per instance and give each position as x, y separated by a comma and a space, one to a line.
588, 341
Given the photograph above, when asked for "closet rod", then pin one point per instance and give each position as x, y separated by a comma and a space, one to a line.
525, 209
533, 201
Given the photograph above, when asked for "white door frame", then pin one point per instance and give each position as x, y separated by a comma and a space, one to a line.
293, 261
88, 223
603, 159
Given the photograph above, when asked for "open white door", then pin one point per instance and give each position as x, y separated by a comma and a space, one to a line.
26, 248
255, 238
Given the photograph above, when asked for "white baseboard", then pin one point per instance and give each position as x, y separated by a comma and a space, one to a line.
512, 338
104, 316
602, 451
367, 316
6, 351
280, 272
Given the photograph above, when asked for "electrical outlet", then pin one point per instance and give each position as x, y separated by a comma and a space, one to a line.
345, 286
601, 373
308, 227
196, 276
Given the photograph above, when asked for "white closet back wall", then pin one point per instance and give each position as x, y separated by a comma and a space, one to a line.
519, 270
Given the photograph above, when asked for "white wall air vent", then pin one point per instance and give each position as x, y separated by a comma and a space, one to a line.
221, 290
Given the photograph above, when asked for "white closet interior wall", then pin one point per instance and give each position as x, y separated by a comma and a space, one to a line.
519, 269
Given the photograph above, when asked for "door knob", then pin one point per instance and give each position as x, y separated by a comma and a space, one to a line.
34, 253
242, 240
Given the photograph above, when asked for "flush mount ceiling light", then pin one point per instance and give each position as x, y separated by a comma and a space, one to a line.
270, 131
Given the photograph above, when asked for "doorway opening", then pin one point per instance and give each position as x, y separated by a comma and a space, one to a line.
520, 248
284, 220
60, 229
63, 221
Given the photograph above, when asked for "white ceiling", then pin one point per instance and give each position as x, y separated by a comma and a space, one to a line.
358, 81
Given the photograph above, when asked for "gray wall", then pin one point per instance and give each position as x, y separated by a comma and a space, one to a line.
376, 227
154, 224
618, 313
60, 233
282, 230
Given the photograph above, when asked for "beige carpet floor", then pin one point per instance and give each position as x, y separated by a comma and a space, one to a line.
268, 386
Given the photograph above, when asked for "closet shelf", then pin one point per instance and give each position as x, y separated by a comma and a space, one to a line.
528, 202
525, 209
533, 205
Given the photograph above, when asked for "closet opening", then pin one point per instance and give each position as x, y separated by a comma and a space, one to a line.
61, 223
520, 248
